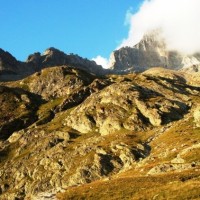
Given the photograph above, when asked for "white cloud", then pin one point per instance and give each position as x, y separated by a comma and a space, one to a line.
128, 16
101, 61
178, 19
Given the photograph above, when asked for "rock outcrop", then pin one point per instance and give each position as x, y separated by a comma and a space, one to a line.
197, 116
56, 81
132, 105
150, 52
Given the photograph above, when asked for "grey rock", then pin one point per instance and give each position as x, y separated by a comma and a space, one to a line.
125, 105
150, 52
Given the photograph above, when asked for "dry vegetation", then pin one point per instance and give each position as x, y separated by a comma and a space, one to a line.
49, 155
181, 137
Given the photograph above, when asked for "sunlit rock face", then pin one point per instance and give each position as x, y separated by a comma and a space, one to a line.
151, 51
197, 116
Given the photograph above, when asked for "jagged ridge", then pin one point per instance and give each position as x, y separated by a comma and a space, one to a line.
150, 52
11, 69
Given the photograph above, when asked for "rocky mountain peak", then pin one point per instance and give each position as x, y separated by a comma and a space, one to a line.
11, 69
150, 52
33, 57
152, 39
8, 62
50, 57
51, 51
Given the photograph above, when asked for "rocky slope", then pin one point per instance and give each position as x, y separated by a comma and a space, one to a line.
7, 62
11, 69
18, 110
150, 52
81, 136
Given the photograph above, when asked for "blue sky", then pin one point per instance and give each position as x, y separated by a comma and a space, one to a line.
85, 27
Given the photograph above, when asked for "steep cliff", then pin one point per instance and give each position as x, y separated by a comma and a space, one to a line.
150, 52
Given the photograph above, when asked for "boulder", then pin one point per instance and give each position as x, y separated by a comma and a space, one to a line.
196, 116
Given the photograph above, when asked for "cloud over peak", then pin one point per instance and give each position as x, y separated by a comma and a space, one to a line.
179, 21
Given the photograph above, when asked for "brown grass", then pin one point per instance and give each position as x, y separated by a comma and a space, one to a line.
183, 185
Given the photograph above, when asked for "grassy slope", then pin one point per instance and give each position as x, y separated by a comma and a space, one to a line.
136, 184
169, 186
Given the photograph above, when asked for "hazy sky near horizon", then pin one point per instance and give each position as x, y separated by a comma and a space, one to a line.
85, 27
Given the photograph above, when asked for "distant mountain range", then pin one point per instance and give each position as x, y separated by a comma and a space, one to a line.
150, 52
12, 69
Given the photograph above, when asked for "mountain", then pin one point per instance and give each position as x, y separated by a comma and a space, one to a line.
11, 69
150, 52
71, 130
69, 134
54, 57
8, 64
